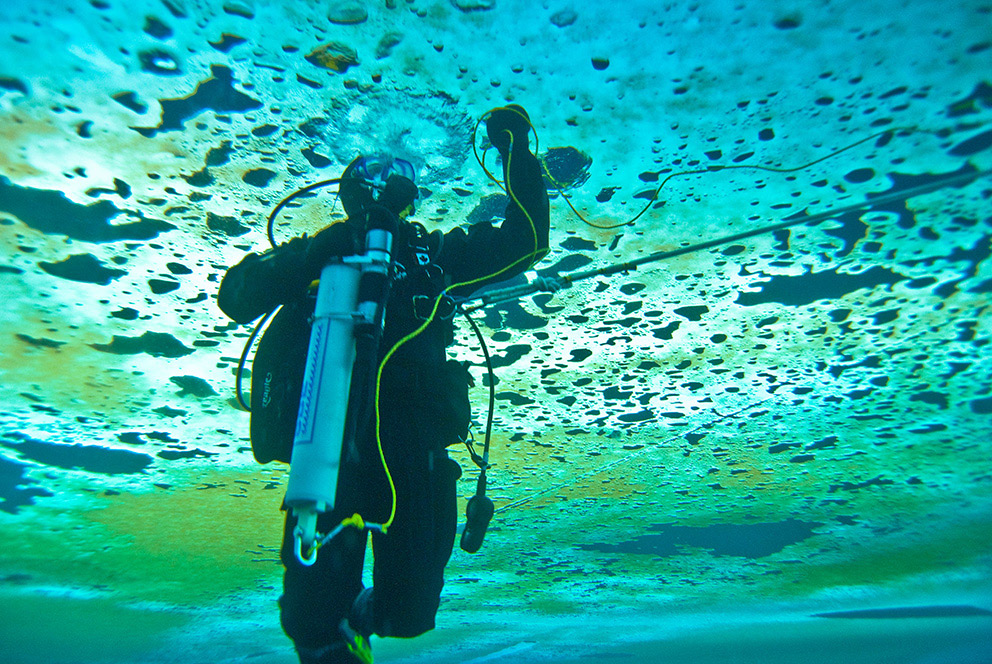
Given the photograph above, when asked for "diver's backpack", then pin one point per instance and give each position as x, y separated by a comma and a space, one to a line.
276, 384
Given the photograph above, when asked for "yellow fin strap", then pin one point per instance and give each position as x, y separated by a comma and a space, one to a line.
361, 649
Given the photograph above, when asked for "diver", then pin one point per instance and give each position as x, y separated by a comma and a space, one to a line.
423, 405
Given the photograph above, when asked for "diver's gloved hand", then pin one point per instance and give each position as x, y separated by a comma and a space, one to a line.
504, 122
399, 194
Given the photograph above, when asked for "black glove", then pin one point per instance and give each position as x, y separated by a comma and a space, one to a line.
503, 122
399, 194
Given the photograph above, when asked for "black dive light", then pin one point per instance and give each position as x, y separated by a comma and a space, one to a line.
478, 514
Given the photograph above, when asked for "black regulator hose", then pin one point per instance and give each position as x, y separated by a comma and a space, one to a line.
478, 514
286, 201
480, 509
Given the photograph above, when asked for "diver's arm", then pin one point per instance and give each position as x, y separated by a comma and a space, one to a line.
261, 282
527, 212
492, 254
527, 226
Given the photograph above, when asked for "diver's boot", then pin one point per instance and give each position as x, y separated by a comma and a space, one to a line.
358, 644
336, 653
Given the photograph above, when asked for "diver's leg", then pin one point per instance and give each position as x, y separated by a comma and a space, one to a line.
410, 558
315, 599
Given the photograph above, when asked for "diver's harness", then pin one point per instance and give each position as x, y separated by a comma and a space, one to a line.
350, 307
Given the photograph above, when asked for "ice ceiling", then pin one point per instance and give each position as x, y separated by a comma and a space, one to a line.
796, 422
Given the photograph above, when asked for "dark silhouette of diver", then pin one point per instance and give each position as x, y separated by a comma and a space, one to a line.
423, 403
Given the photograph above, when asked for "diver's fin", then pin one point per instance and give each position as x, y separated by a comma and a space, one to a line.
358, 645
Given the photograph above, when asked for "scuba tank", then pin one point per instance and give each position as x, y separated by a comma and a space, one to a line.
350, 308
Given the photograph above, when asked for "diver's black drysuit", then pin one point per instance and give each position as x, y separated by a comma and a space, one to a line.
424, 408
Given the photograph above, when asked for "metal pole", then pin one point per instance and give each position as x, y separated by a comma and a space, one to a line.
552, 284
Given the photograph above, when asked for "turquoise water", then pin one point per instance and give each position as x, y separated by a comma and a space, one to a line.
771, 449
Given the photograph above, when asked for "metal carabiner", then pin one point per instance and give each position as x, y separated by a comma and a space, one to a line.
309, 560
